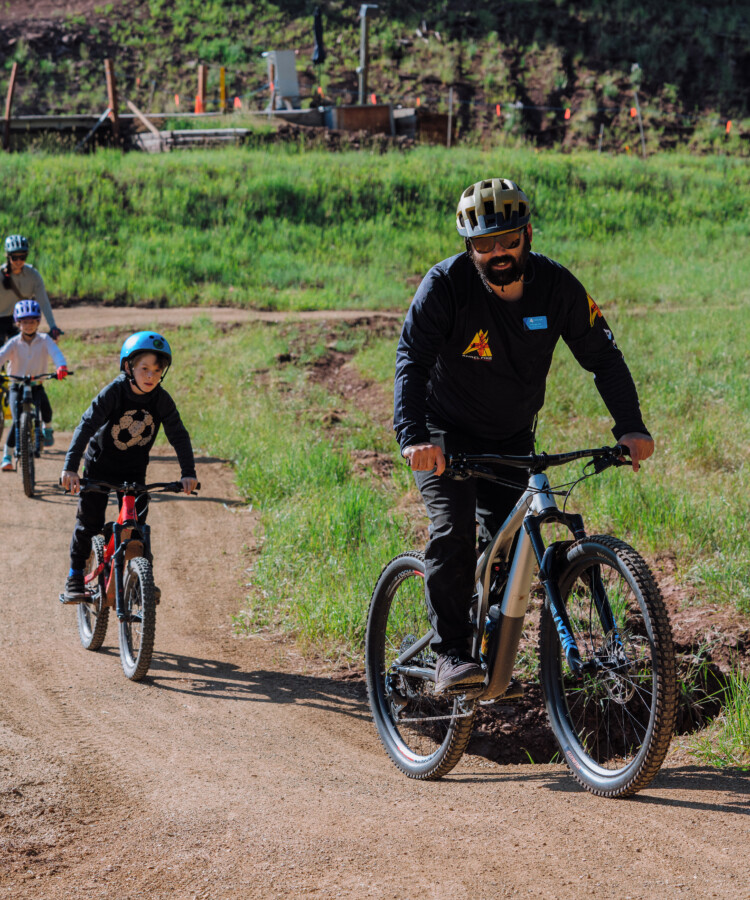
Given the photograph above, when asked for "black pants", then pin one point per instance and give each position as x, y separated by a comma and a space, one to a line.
40, 398
92, 508
7, 329
462, 513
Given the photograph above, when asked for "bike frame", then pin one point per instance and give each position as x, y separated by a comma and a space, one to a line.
129, 538
536, 507
25, 403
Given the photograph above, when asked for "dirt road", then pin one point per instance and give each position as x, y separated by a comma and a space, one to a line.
238, 770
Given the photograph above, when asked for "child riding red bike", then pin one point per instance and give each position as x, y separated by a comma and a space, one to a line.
115, 436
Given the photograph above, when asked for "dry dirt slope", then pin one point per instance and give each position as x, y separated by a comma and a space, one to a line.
238, 771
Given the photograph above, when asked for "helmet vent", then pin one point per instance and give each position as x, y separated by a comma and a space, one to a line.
521, 210
471, 213
489, 208
508, 207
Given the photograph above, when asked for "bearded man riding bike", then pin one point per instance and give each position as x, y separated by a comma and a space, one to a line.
471, 371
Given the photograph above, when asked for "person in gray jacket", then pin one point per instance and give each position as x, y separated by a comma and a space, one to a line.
21, 281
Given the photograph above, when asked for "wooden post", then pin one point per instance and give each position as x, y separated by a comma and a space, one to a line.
601, 135
450, 117
202, 79
112, 98
640, 123
222, 89
9, 106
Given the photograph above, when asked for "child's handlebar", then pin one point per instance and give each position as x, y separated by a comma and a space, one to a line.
29, 378
133, 487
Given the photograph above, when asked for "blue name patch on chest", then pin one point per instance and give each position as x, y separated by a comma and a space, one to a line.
535, 323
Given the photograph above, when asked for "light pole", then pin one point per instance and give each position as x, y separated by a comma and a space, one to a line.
363, 50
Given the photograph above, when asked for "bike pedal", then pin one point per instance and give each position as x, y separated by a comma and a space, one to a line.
71, 602
514, 691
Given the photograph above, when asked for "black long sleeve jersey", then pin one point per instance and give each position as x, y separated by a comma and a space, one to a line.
119, 428
470, 362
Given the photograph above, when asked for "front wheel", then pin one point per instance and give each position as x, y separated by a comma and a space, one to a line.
26, 452
615, 719
93, 616
425, 735
138, 629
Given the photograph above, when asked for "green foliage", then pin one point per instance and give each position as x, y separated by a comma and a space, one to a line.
316, 230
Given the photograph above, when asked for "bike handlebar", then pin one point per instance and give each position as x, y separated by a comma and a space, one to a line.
132, 487
29, 378
464, 465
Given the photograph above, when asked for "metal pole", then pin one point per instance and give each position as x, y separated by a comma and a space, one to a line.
640, 122
9, 106
363, 50
223, 89
112, 98
601, 135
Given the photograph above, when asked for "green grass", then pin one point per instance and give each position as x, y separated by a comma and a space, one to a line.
322, 231
726, 743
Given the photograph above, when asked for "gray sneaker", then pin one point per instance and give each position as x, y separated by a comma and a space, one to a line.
456, 668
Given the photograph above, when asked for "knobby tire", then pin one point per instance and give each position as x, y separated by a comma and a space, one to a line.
94, 615
26, 452
614, 723
397, 618
138, 630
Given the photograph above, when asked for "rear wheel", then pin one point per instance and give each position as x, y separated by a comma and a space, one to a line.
138, 629
26, 452
94, 616
614, 721
425, 735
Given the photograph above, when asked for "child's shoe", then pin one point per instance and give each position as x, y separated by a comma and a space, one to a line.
7, 463
49, 436
75, 589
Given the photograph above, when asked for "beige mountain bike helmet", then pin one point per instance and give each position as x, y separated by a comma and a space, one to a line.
492, 206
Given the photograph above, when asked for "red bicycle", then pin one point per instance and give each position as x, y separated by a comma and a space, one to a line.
119, 576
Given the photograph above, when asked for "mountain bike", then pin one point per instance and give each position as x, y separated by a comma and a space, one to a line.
606, 656
29, 426
119, 576
5, 412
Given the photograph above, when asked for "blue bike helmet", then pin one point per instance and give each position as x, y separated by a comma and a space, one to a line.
16, 243
146, 342
26, 309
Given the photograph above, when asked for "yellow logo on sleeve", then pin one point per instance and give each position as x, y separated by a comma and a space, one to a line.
594, 311
479, 347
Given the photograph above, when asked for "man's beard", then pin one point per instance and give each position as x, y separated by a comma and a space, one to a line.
490, 275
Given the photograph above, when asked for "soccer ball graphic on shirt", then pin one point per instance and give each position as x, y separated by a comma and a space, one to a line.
135, 429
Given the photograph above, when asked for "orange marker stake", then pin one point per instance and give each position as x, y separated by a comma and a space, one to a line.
729, 126
567, 114
633, 112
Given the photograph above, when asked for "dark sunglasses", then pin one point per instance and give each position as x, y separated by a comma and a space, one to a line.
16, 256
508, 241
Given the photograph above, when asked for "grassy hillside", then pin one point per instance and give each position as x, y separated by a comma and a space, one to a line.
357, 230
534, 58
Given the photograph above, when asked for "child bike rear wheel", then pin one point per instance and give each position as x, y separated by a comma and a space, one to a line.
425, 735
614, 721
138, 629
26, 452
94, 616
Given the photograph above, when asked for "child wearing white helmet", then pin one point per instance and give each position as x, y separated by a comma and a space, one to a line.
28, 353
115, 437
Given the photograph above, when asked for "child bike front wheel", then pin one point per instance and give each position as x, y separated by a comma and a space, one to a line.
424, 734
26, 452
138, 627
